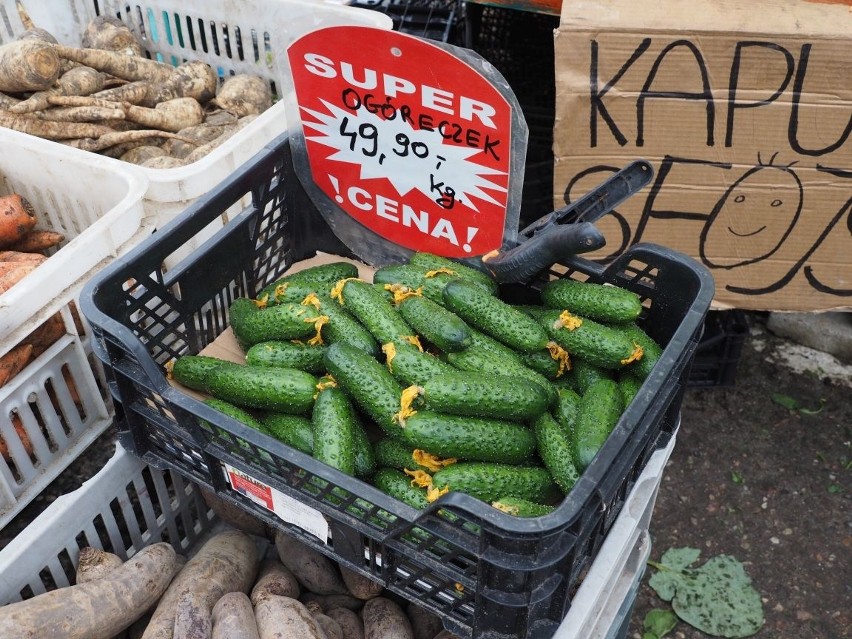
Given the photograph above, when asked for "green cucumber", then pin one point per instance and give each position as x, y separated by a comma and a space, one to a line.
567, 410
235, 412
595, 301
334, 423
281, 354
193, 371
284, 390
342, 326
368, 382
296, 431
398, 485
394, 453
651, 350
629, 384
522, 507
365, 459
585, 374
319, 274
543, 363
489, 481
586, 339
373, 310
410, 365
485, 394
495, 317
469, 438
433, 322
281, 292
432, 262
600, 408
477, 359
556, 451
281, 322
431, 286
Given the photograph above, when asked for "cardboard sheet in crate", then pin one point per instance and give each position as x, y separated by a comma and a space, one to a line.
743, 108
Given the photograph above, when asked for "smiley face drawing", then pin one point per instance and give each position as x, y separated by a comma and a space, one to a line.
753, 218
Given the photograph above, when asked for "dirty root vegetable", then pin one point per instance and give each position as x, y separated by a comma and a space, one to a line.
327, 602
227, 562
349, 621
98, 609
424, 624
164, 162
77, 81
82, 114
132, 92
200, 133
111, 34
274, 579
37, 241
28, 65
193, 79
118, 137
139, 154
15, 275
384, 619
17, 218
51, 130
126, 67
22, 435
285, 618
205, 149
234, 515
192, 616
315, 571
244, 95
233, 617
359, 585
14, 361
172, 115
95, 563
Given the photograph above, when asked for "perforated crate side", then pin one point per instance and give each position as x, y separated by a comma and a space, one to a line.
126, 506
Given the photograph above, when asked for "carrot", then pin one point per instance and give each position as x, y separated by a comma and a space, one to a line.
37, 241
124, 66
22, 434
15, 275
76, 81
171, 115
28, 65
47, 334
111, 34
14, 361
17, 218
21, 256
51, 130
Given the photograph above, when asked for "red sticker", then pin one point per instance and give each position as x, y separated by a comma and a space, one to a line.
406, 138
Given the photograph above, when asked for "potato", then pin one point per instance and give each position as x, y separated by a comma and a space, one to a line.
349, 621
359, 585
285, 618
315, 571
424, 623
384, 619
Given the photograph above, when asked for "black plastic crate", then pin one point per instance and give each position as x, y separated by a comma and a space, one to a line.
717, 355
441, 20
487, 574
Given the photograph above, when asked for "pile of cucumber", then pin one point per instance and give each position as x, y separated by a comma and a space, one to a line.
469, 393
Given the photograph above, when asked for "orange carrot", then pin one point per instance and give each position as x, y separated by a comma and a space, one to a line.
14, 276
45, 335
21, 256
17, 218
37, 241
14, 362
22, 435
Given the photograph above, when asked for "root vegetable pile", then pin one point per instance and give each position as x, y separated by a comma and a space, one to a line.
107, 97
235, 586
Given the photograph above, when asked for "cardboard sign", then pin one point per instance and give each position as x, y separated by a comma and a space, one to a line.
405, 138
743, 108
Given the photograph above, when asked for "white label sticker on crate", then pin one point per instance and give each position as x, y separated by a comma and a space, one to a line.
285, 507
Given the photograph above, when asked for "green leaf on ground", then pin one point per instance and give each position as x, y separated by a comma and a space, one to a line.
835, 489
791, 403
717, 597
736, 477
658, 623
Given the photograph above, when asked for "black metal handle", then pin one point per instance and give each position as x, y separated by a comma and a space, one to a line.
525, 261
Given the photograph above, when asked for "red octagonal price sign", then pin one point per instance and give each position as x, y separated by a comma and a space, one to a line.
406, 138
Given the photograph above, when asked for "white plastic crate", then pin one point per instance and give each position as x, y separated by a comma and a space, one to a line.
95, 202
233, 36
129, 505
125, 507
606, 596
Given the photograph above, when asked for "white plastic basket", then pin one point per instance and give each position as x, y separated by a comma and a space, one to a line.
95, 202
129, 505
249, 36
125, 507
